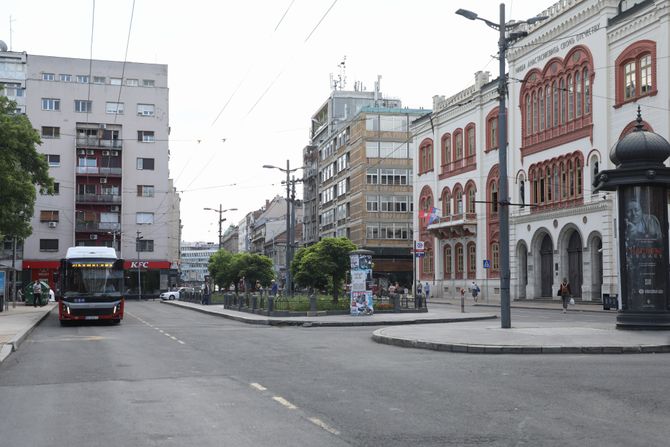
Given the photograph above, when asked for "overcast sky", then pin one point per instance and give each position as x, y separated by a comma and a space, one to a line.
246, 76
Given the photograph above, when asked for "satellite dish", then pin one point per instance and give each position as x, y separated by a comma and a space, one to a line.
3, 46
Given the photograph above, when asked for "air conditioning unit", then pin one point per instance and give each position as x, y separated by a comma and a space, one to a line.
82, 152
53, 224
90, 152
116, 208
105, 153
93, 237
103, 126
115, 153
103, 179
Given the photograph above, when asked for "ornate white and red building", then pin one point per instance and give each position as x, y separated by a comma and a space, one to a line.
574, 85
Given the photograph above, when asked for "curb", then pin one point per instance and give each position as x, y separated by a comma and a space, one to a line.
316, 323
13, 344
465, 348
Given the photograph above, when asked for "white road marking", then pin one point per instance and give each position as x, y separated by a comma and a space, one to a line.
284, 402
320, 423
258, 386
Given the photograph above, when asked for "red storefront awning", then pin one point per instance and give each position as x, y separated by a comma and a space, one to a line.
147, 265
35, 264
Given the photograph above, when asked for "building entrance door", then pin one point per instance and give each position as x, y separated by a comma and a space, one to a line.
575, 264
546, 261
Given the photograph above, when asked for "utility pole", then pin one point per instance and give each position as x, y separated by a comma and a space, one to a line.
139, 282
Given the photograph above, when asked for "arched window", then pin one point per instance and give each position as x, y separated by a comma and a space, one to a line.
471, 200
548, 105
493, 133
541, 97
458, 144
446, 203
571, 179
587, 92
426, 156
636, 72
459, 260
563, 101
579, 98
555, 114
564, 182
472, 260
571, 98
446, 151
578, 169
459, 201
547, 176
427, 264
534, 112
529, 111
494, 197
470, 140
495, 255
447, 262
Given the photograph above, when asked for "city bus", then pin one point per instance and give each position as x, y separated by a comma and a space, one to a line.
91, 285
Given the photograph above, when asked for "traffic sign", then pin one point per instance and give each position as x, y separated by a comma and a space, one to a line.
487, 263
420, 254
419, 245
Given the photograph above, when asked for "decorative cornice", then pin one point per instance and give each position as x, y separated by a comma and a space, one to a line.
587, 208
624, 29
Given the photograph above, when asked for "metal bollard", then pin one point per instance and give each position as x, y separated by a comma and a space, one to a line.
254, 301
396, 303
312, 304
462, 303
271, 304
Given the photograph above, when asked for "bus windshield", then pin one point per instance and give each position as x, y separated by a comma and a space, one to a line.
96, 281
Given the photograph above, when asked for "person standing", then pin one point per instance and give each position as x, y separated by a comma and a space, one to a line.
37, 293
426, 290
274, 288
474, 289
564, 292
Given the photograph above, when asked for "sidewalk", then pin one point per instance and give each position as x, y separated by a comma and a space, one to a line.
17, 322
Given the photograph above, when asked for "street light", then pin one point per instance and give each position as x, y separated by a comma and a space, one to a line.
289, 241
220, 211
503, 200
139, 282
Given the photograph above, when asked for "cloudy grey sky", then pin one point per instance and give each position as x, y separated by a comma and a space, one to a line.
246, 76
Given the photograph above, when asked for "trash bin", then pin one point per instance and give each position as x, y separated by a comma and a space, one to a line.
610, 301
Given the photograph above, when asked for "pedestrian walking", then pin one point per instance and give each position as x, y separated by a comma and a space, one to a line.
564, 292
474, 289
206, 294
37, 293
419, 288
426, 290
274, 288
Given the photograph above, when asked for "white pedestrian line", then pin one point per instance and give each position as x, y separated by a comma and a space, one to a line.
323, 425
258, 386
284, 402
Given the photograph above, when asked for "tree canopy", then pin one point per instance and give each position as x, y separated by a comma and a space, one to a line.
227, 268
324, 263
23, 168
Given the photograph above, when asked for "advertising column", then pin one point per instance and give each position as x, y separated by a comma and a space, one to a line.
361, 276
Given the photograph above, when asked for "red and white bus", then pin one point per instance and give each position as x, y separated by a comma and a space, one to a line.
91, 285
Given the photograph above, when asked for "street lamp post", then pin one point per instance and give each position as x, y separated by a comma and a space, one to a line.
139, 282
503, 200
289, 239
221, 219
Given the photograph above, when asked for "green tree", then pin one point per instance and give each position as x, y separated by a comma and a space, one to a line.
253, 267
329, 259
22, 169
221, 269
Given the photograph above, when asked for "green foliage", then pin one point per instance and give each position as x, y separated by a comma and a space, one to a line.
227, 268
322, 264
22, 168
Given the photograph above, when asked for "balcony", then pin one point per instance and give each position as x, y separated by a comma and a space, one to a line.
95, 142
454, 226
98, 170
98, 198
97, 226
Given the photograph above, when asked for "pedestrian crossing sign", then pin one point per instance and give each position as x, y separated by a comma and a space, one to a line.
487, 263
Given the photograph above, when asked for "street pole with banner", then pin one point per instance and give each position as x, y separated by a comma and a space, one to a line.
487, 265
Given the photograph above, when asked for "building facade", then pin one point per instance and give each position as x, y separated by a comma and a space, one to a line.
359, 178
590, 58
195, 261
104, 127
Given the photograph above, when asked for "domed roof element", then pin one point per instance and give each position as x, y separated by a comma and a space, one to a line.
640, 147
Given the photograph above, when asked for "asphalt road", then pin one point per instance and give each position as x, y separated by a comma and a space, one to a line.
172, 377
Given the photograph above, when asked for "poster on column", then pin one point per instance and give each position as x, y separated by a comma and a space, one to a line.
361, 303
643, 218
358, 278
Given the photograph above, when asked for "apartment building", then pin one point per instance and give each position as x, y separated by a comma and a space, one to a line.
358, 181
104, 127
195, 261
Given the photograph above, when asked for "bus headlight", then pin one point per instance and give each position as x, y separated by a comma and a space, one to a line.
114, 310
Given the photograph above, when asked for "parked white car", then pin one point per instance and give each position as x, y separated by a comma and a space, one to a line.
174, 294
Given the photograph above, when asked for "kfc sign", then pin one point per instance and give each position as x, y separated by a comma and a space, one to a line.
139, 264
